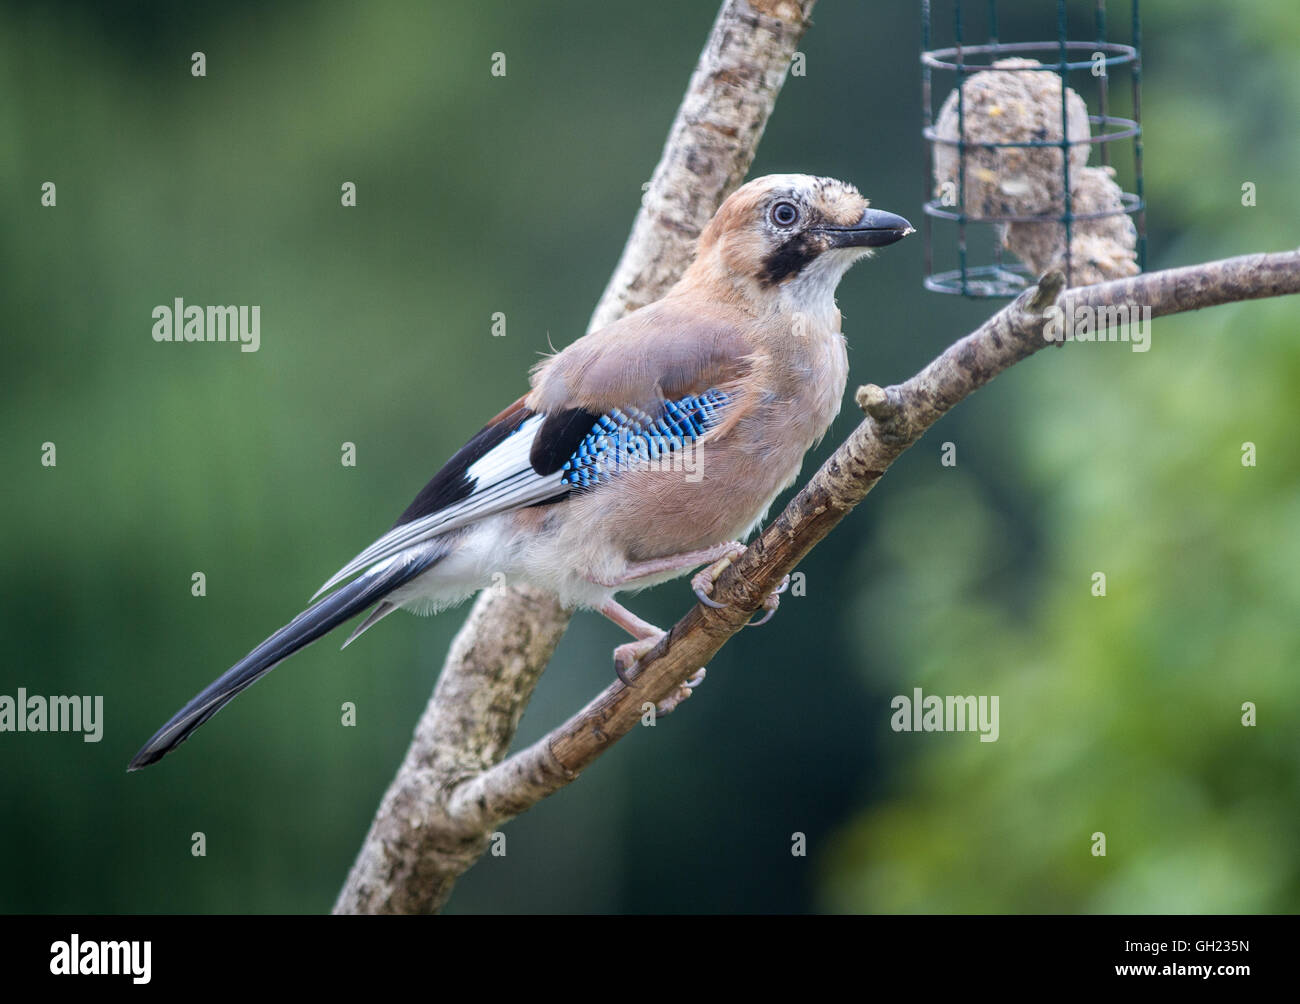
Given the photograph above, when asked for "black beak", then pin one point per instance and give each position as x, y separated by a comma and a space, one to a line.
876, 229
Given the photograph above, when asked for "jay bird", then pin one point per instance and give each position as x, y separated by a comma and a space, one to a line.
644, 450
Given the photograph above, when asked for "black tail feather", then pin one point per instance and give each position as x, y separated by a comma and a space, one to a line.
317, 620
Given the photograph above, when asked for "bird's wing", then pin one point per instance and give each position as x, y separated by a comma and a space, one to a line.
489, 474
664, 351
607, 401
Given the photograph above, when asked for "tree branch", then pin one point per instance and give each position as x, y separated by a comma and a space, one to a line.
897, 416
418, 845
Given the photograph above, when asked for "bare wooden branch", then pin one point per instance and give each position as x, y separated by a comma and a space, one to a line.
416, 847
710, 147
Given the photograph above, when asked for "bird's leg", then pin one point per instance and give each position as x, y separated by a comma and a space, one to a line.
702, 584
629, 621
637, 570
648, 636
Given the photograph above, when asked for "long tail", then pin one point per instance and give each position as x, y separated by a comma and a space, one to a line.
317, 620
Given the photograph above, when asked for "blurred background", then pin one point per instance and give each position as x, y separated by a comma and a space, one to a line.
478, 194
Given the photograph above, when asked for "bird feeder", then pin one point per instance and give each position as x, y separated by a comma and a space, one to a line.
1022, 179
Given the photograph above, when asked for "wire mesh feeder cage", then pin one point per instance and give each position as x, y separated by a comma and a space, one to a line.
1010, 148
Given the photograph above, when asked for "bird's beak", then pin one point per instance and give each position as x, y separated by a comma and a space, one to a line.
876, 229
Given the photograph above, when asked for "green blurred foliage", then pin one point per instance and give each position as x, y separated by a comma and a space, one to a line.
479, 194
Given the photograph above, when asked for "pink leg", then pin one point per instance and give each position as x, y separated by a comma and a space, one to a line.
648, 636
674, 562
629, 621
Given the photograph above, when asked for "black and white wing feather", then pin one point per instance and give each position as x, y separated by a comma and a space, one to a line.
523, 458
492, 473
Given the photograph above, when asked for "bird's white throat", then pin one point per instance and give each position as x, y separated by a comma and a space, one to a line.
811, 294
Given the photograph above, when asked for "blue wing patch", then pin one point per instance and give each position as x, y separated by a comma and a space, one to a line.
620, 441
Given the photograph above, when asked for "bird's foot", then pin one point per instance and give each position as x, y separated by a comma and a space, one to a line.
683, 691
703, 580
770, 604
702, 584
628, 655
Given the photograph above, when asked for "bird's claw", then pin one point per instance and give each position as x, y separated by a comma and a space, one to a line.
627, 656
683, 691
703, 580
707, 600
702, 585
771, 603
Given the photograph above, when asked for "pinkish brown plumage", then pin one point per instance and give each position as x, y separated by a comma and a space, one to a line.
642, 451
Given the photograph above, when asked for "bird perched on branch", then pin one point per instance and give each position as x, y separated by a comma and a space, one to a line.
644, 450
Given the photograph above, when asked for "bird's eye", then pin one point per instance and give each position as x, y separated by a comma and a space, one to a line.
785, 214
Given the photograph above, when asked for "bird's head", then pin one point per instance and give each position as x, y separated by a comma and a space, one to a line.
787, 240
